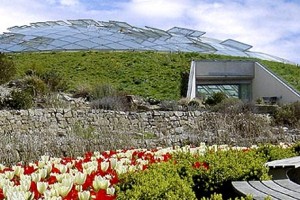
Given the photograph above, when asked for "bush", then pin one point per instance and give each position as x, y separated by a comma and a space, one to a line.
54, 81
271, 152
288, 115
231, 105
160, 181
215, 98
82, 91
195, 104
18, 100
102, 90
7, 69
35, 86
111, 103
186, 176
169, 105
222, 168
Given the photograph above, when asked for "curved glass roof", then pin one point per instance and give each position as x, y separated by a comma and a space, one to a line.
87, 34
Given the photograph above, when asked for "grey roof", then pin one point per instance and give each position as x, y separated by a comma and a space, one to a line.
87, 34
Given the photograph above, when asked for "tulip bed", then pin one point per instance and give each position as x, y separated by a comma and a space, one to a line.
162, 173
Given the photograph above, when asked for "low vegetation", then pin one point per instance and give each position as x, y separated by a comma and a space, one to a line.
161, 76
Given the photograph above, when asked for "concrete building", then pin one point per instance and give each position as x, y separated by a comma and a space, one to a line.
246, 80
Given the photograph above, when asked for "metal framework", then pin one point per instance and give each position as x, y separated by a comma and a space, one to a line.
87, 34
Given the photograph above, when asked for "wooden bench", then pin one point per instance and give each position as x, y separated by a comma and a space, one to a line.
286, 176
283, 189
285, 168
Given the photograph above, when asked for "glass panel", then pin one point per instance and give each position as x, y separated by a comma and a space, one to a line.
245, 92
237, 45
231, 90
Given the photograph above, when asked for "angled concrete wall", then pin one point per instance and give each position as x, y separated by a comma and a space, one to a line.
266, 84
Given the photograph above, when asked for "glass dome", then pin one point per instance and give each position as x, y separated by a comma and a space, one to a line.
87, 34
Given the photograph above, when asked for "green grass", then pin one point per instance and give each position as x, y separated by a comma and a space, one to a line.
149, 74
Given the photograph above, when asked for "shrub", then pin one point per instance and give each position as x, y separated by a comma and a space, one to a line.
54, 81
222, 168
169, 105
231, 105
7, 69
195, 104
215, 98
35, 86
160, 181
111, 103
82, 91
18, 100
271, 152
288, 115
102, 90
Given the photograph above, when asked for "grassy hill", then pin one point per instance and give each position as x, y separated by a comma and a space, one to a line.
153, 74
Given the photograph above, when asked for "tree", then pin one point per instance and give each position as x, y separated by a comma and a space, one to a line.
7, 69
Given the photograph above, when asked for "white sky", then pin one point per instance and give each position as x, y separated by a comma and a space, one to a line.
270, 26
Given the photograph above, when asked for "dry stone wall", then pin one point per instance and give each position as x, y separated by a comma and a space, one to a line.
170, 126
60, 121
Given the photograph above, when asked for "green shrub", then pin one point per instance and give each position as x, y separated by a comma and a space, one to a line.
18, 100
272, 152
225, 167
111, 103
54, 81
7, 69
35, 86
288, 115
231, 105
82, 91
209, 176
160, 181
102, 90
215, 98
195, 104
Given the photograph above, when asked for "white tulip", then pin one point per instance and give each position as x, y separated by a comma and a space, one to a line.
43, 173
64, 190
2, 167
18, 170
113, 162
41, 187
110, 191
9, 174
41, 164
79, 178
85, 195
35, 177
104, 166
100, 183
25, 184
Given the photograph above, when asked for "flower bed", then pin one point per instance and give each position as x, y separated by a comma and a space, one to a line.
187, 172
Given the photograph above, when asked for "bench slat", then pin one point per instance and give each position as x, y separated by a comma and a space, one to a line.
288, 184
291, 162
274, 186
273, 193
245, 188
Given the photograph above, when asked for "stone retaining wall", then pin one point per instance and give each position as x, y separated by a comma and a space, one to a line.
62, 120
157, 124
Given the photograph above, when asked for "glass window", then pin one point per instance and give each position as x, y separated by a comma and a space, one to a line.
231, 90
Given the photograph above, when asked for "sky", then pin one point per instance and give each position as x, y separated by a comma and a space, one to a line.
270, 26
